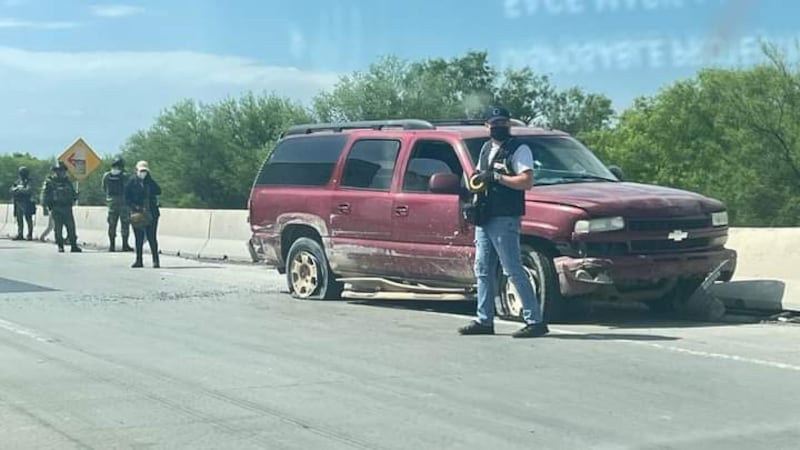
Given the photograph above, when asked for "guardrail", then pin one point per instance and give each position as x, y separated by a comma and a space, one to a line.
195, 233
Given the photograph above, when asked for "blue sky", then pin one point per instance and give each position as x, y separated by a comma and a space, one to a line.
103, 70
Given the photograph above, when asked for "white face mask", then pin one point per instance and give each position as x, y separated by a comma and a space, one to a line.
142, 174
115, 171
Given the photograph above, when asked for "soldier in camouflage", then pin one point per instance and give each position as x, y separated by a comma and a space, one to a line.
24, 207
113, 184
58, 195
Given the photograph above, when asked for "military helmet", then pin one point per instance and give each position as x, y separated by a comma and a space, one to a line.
59, 166
118, 162
24, 171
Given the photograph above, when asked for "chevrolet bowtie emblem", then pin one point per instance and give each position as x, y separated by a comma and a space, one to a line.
678, 235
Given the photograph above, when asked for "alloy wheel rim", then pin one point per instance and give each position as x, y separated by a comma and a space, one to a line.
305, 274
513, 299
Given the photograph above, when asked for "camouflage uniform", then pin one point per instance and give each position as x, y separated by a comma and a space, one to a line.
58, 195
24, 206
113, 185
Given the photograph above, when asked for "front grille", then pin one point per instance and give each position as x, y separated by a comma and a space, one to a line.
664, 245
605, 249
653, 234
669, 224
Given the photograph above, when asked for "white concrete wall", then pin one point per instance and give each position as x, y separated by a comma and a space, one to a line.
768, 272
196, 233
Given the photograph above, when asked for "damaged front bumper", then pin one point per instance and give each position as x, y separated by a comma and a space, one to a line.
584, 276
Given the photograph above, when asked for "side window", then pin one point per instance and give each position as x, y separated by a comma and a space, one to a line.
370, 164
427, 159
302, 161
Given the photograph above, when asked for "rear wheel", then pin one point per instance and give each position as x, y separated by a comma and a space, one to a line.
541, 273
308, 274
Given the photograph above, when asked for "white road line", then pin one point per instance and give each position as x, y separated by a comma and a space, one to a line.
18, 329
670, 348
710, 355
756, 361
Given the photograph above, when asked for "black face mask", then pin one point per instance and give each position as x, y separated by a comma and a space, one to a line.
500, 133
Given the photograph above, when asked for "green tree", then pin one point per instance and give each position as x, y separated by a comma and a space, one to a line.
732, 134
460, 87
206, 156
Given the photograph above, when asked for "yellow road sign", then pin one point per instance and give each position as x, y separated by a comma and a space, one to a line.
80, 159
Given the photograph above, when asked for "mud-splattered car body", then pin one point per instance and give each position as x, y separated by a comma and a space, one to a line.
378, 201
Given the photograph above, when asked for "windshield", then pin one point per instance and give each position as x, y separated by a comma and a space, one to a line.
556, 159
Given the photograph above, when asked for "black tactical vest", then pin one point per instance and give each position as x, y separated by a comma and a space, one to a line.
501, 200
115, 184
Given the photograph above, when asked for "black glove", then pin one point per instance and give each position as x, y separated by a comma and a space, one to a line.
486, 176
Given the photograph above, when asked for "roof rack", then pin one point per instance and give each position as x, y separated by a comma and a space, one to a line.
481, 122
406, 124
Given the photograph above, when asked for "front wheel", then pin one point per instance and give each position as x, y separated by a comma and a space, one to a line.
308, 274
542, 275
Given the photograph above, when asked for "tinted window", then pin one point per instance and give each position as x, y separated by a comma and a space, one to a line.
427, 159
556, 159
306, 161
370, 164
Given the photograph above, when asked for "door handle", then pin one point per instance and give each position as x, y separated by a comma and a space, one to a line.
401, 211
344, 208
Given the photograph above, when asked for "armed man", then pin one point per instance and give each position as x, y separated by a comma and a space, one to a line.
24, 207
58, 195
114, 182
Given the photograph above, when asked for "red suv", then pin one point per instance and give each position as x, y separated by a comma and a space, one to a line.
373, 210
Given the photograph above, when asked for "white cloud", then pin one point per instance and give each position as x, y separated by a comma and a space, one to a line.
50, 98
115, 10
43, 25
186, 68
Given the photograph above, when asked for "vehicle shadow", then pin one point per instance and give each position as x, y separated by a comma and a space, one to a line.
613, 316
467, 309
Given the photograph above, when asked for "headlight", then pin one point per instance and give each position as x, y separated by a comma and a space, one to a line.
719, 219
600, 225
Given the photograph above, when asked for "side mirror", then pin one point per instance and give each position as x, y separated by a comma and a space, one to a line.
444, 183
617, 171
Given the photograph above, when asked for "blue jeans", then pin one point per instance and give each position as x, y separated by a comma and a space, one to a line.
497, 241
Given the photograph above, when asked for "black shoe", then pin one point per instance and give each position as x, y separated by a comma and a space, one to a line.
126, 247
17, 238
76, 249
137, 264
60, 249
531, 330
475, 328
30, 237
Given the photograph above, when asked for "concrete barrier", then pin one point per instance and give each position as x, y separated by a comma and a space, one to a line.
767, 276
5, 212
194, 233
228, 236
183, 232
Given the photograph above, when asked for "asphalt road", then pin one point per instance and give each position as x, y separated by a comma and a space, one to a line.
94, 354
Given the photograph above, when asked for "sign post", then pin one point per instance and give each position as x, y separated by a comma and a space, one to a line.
80, 160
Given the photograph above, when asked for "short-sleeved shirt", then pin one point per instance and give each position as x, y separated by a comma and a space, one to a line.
521, 160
